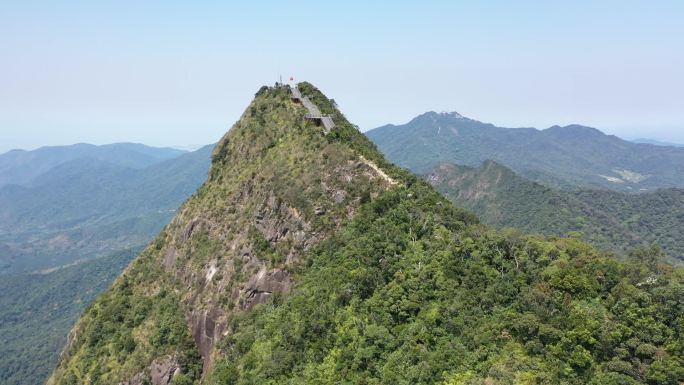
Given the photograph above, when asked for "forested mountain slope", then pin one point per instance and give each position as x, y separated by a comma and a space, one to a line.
308, 258
37, 311
557, 156
86, 207
612, 220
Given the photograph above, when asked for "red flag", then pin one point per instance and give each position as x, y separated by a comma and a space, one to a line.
291, 78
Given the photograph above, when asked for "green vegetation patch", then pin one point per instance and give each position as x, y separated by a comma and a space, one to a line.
140, 318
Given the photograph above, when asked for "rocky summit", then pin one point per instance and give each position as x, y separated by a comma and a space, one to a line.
306, 257
277, 187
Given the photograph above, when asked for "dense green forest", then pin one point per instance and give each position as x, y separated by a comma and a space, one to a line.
309, 259
37, 310
564, 157
611, 220
409, 293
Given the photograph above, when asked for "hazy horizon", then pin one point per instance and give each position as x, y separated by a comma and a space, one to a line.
171, 75
196, 146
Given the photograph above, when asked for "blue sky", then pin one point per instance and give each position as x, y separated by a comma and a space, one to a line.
181, 73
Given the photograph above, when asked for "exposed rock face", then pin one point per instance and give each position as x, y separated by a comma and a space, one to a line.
169, 260
138, 379
285, 227
191, 227
160, 372
264, 284
206, 329
278, 223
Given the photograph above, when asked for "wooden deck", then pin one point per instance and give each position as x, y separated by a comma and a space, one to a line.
313, 109
296, 95
328, 123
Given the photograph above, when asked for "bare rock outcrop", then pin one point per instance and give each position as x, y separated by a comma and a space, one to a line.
206, 326
161, 371
263, 285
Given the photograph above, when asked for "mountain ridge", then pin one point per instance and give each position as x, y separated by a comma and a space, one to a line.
23, 166
612, 220
655, 142
565, 157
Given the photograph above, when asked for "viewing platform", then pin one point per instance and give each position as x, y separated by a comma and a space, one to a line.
315, 114
296, 95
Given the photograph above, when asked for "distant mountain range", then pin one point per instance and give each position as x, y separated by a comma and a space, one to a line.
656, 142
90, 200
612, 220
564, 157
22, 167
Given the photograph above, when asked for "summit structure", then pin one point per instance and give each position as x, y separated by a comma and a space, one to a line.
314, 113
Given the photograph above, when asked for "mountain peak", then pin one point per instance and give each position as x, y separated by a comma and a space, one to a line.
442, 114
573, 130
279, 184
452, 114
